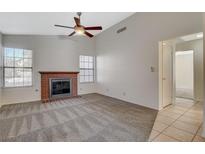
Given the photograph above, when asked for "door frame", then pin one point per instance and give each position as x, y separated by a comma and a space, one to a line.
160, 64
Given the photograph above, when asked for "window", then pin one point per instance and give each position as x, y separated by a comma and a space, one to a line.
17, 67
87, 69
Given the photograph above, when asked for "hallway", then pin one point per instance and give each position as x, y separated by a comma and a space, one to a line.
179, 122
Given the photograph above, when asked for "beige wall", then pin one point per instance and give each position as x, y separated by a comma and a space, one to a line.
50, 53
124, 60
197, 46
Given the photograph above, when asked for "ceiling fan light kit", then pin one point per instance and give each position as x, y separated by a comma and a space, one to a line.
80, 29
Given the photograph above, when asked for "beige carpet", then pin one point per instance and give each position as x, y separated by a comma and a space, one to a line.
91, 117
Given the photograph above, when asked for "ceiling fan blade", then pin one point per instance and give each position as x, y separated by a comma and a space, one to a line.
93, 28
72, 34
77, 21
64, 26
88, 34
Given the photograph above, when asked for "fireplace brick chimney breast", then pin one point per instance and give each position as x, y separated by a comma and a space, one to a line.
45, 86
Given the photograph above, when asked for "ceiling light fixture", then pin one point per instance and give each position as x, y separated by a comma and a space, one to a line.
79, 30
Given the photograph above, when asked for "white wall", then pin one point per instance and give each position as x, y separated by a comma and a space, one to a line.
197, 47
50, 53
124, 60
1, 70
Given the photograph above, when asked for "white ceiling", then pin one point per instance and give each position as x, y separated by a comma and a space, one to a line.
43, 23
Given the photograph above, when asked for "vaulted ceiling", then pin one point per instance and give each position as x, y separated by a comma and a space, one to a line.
43, 23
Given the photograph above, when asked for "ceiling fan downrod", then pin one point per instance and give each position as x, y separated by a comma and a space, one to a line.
79, 14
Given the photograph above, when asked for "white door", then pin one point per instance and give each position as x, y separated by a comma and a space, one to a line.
167, 73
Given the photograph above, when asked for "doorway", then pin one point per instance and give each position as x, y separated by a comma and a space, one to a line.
181, 70
184, 74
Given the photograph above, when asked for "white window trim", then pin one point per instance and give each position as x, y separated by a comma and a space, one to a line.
94, 75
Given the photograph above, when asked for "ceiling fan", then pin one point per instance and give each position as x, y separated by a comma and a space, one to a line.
80, 29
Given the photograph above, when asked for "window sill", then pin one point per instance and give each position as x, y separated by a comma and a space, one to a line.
17, 87
87, 82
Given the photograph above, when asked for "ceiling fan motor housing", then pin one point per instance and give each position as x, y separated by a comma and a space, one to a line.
79, 30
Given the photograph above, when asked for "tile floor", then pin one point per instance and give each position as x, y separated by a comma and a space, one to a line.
179, 122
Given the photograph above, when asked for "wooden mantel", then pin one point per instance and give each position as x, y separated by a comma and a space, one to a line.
46, 75
48, 72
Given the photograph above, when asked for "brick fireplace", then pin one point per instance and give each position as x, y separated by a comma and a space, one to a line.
52, 83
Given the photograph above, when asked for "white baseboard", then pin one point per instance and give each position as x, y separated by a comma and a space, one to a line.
129, 101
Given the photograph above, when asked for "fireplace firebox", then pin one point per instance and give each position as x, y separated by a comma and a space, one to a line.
60, 87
